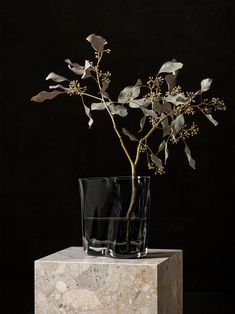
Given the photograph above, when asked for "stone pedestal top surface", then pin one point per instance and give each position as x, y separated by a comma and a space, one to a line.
77, 255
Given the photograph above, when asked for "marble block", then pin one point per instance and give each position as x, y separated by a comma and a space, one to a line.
71, 282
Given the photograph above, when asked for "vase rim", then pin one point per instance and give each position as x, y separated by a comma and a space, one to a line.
112, 177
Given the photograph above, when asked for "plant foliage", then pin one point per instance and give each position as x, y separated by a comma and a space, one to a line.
163, 105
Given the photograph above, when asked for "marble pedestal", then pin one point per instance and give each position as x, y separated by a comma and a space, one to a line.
72, 282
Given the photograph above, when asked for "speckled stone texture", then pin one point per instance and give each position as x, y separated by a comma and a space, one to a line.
72, 282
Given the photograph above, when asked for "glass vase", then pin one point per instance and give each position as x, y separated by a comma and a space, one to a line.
115, 215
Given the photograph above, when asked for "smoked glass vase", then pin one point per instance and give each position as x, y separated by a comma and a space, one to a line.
115, 215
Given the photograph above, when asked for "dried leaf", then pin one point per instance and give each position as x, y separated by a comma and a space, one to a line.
75, 67
142, 123
171, 81
119, 110
166, 152
128, 94
87, 69
165, 125
149, 112
44, 95
178, 123
178, 99
190, 159
55, 77
212, 120
159, 108
66, 89
161, 146
97, 42
127, 133
98, 106
205, 84
170, 67
136, 103
138, 83
88, 113
157, 161
105, 85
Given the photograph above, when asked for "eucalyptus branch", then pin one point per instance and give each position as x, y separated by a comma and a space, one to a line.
168, 107
165, 103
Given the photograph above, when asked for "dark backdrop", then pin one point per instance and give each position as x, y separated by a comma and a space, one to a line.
45, 147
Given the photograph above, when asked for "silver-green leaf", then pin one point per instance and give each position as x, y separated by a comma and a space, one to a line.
161, 146
127, 133
178, 123
118, 110
75, 67
212, 120
205, 84
157, 161
88, 113
178, 99
97, 42
165, 125
171, 81
190, 159
170, 67
149, 112
44, 95
136, 103
166, 151
142, 123
56, 78
98, 106
128, 94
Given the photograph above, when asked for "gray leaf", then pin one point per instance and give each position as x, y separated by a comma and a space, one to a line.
88, 113
188, 154
170, 67
127, 133
149, 112
165, 125
105, 85
178, 123
55, 77
75, 67
98, 106
58, 86
165, 107
166, 152
128, 94
138, 83
118, 110
157, 161
142, 123
212, 120
178, 99
87, 69
136, 103
205, 84
171, 81
42, 96
97, 42
161, 146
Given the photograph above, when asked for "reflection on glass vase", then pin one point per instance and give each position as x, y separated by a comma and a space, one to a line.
115, 215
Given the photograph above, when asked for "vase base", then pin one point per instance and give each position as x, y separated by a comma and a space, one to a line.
118, 251
112, 253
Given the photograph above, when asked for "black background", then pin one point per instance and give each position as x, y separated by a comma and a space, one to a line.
45, 147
